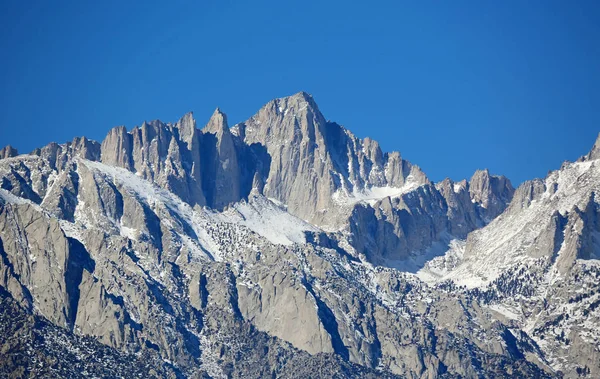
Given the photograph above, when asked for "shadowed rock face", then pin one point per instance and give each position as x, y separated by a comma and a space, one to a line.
268, 249
222, 177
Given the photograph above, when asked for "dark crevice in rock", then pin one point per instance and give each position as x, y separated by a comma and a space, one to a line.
154, 227
233, 295
118, 300
329, 323
131, 254
560, 222
322, 239
254, 159
208, 153
375, 353
119, 203
78, 260
190, 340
156, 291
203, 291
151, 345
187, 228
68, 199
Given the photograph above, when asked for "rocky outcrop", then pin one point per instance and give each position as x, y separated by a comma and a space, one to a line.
395, 229
8, 152
528, 192
33, 348
62, 198
59, 156
463, 215
45, 273
279, 297
581, 235
492, 193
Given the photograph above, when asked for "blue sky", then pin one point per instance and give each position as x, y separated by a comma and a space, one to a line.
453, 85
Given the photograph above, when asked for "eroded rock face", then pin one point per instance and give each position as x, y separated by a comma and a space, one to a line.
580, 237
463, 215
527, 192
27, 177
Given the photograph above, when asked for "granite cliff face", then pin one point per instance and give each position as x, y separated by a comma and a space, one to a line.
287, 247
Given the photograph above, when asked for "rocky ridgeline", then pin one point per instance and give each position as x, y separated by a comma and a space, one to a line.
186, 248
290, 153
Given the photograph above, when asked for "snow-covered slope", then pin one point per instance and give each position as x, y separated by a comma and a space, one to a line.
264, 217
518, 235
258, 214
537, 267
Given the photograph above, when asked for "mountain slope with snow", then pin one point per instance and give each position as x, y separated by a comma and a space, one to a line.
537, 264
285, 246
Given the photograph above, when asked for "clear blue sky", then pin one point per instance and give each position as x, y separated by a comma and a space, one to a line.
453, 85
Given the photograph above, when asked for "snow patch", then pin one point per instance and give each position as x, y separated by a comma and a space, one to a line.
269, 220
374, 194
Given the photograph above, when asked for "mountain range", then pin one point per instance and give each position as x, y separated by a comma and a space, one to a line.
285, 246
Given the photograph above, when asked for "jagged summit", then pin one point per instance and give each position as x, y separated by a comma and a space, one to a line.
297, 98
217, 123
318, 169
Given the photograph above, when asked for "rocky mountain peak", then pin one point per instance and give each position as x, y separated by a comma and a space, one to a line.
492, 192
298, 101
292, 118
187, 127
8, 152
217, 123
